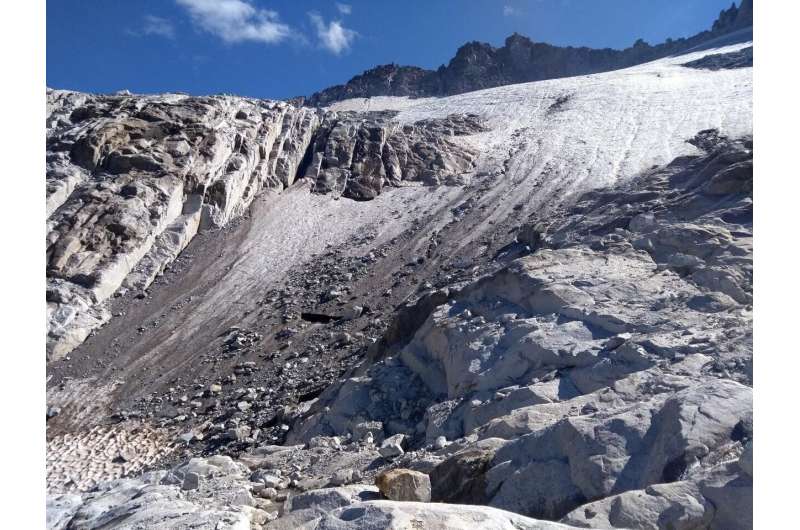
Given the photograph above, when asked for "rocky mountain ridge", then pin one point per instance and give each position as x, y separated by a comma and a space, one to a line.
478, 65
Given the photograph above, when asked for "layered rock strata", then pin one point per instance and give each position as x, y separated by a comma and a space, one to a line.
132, 179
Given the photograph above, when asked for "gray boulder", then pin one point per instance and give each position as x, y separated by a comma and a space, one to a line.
328, 499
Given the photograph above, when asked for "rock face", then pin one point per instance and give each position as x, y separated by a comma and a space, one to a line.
130, 180
356, 154
734, 18
739, 59
478, 65
384, 80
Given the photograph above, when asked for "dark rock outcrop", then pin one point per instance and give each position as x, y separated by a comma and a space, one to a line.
723, 61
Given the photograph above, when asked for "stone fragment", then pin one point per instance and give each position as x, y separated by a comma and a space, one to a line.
531, 234
191, 481
392, 446
404, 485
345, 476
268, 493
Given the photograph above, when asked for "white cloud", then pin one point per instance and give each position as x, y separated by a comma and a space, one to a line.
158, 26
332, 36
236, 20
510, 11
344, 9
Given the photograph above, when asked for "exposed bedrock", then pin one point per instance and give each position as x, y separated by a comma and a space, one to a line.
356, 154
604, 376
720, 61
132, 179
217, 493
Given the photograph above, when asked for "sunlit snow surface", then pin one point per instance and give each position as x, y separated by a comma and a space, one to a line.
611, 126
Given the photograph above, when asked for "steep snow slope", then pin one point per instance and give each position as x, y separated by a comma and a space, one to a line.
547, 142
594, 130
553, 139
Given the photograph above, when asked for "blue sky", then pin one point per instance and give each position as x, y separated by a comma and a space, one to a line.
285, 48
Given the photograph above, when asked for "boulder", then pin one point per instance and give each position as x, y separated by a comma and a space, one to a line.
717, 498
328, 499
392, 446
674, 505
404, 485
191, 481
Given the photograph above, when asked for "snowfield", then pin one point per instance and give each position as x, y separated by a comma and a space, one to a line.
595, 130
